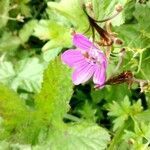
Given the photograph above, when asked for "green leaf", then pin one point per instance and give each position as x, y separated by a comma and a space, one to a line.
122, 111
58, 34
25, 9
72, 10
144, 71
111, 93
105, 9
140, 137
26, 74
88, 112
145, 130
144, 116
12, 111
19, 123
9, 42
43, 29
4, 145
29, 75
79, 136
133, 37
137, 35
140, 13
52, 102
7, 72
13, 146
128, 10
51, 54
4, 9
27, 30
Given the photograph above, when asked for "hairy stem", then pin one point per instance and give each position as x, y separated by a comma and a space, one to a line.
117, 136
140, 63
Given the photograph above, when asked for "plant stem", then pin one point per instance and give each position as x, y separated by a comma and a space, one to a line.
71, 117
116, 138
9, 18
140, 63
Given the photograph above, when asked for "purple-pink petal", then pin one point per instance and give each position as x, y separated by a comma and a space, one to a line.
102, 58
82, 42
83, 74
99, 75
80, 64
70, 57
87, 60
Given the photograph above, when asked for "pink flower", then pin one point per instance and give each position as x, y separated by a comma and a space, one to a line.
87, 60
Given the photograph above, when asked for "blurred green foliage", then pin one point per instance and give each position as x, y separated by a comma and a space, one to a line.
39, 106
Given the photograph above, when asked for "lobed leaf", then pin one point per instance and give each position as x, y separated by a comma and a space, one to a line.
52, 103
79, 136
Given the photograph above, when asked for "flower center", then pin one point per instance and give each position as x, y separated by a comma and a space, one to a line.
92, 56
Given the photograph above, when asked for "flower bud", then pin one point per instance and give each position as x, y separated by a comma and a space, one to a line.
118, 41
20, 18
119, 8
89, 5
131, 141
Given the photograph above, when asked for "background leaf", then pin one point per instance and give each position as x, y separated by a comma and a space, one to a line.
58, 34
12, 111
26, 74
72, 9
53, 100
4, 8
27, 30
80, 136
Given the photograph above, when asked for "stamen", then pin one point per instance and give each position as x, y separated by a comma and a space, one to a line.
86, 55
